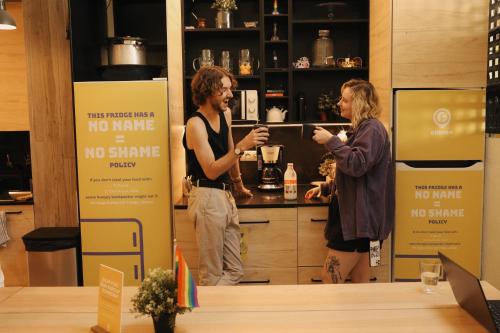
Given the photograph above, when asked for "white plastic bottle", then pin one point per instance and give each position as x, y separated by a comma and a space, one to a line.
290, 183
2, 278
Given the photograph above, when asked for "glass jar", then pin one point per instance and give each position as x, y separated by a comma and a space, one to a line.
323, 50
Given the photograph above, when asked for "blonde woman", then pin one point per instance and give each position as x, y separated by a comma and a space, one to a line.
362, 204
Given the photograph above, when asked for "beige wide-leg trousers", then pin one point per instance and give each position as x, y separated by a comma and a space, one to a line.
218, 235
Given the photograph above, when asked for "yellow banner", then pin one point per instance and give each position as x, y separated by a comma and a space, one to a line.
109, 303
437, 209
123, 177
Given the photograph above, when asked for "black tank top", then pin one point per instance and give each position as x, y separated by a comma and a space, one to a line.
218, 143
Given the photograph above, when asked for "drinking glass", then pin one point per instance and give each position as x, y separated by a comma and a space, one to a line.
430, 271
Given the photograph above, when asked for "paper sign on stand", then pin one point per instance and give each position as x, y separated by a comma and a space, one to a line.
109, 305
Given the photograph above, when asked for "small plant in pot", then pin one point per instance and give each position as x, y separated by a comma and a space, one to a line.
326, 104
224, 17
157, 297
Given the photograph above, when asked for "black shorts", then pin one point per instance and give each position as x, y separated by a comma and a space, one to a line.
334, 236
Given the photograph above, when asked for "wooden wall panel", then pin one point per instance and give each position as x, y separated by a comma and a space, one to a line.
175, 95
13, 92
13, 257
380, 55
51, 113
491, 220
440, 44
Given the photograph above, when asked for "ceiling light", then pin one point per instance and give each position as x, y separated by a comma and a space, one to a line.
6, 20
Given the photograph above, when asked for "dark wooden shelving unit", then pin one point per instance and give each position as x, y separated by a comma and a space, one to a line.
331, 69
281, 41
327, 21
278, 15
298, 23
221, 31
88, 29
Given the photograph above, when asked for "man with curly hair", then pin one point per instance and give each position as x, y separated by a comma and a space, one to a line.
213, 163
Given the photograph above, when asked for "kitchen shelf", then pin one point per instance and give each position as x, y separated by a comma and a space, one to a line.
276, 97
238, 77
330, 69
327, 21
275, 70
281, 41
297, 26
279, 15
220, 31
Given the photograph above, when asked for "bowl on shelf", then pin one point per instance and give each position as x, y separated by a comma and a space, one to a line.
250, 24
20, 195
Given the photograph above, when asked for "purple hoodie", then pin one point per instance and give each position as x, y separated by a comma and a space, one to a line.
364, 181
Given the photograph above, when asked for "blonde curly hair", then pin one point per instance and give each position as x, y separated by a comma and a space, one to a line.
365, 103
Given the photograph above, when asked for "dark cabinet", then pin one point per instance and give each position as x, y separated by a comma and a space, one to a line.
281, 37
92, 22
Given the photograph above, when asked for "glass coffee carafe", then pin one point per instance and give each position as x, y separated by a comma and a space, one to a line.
246, 63
205, 59
323, 50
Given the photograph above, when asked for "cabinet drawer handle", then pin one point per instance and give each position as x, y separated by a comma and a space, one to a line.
319, 220
15, 212
256, 281
316, 280
255, 222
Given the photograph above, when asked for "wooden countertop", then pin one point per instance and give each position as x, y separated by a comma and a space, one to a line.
262, 199
381, 307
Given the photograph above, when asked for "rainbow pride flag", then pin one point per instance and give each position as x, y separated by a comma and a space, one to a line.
187, 295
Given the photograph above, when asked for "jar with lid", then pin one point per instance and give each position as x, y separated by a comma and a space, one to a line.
323, 50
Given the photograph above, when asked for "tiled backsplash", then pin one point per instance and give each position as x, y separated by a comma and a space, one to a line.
304, 153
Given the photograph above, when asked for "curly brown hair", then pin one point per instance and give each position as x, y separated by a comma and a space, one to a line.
207, 82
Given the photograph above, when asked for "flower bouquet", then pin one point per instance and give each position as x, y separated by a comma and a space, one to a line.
327, 166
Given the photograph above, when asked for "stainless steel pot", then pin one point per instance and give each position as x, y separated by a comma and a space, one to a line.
127, 51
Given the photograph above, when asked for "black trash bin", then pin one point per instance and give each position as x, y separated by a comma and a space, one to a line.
54, 256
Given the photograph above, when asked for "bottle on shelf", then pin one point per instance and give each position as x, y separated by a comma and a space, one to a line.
275, 60
290, 183
323, 50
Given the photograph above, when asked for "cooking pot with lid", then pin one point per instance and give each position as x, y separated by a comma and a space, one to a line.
126, 51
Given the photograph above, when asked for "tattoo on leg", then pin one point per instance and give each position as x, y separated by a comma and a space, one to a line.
332, 267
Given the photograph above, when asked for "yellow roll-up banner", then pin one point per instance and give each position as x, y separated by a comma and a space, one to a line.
123, 177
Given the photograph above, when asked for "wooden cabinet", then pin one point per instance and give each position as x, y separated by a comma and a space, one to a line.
13, 257
278, 245
312, 247
269, 245
439, 44
13, 89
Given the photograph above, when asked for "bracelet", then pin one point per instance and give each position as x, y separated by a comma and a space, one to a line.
236, 180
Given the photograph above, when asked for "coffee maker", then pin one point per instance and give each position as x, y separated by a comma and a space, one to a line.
269, 167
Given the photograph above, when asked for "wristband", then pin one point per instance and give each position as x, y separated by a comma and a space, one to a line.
236, 180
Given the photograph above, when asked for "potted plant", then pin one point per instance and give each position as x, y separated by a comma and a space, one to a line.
157, 297
326, 103
224, 17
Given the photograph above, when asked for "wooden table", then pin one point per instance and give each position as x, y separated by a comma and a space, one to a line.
378, 307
